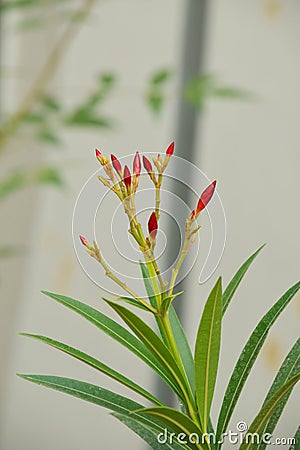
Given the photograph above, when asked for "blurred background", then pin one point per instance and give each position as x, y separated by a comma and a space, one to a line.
223, 80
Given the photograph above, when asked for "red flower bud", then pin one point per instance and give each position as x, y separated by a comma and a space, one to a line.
152, 225
192, 215
170, 149
147, 164
117, 165
137, 164
83, 241
206, 197
127, 177
98, 154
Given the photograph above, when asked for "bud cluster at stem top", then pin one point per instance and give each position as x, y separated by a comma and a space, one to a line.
124, 184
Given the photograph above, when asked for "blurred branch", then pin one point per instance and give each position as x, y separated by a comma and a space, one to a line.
38, 88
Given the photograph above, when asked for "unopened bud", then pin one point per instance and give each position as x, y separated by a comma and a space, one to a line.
152, 225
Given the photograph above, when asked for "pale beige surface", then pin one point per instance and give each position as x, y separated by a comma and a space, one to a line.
251, 148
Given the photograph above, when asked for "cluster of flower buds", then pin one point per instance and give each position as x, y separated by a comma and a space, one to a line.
127, 183
93, 250
124, 184
159, 163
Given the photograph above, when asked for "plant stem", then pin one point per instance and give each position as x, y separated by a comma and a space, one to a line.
96, 254
157, 196
178, 265
47, 72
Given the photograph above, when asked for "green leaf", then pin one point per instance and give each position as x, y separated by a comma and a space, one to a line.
114, 330
85, 391
155, 96
154, 344
155, 102
149, 433
11, 184
231, 93
179, 334
179, 422
267, 410
14, 4
123, 406
160, 77
47, 135
148, 285
91, 361
30, 23
89, 119
248, 358
34, 117
8, 251
207, 352
183, 347
167, 302
198, 89
51, 103
234, 283
107, 80
296, 443
49, 175
289, 368
133, 302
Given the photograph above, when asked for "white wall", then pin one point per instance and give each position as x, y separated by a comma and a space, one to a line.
251, 148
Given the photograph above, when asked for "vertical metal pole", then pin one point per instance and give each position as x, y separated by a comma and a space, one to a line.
187, 121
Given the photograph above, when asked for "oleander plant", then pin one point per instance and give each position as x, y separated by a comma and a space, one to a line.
191, 375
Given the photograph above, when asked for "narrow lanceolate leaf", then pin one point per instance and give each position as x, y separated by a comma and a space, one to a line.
154, 344
93, 362
167, 302
179, 334
296, 441
116, 331
234, 283
132, 302
183, 346
267, 410
207, 352
101, 397
119, 404
248, 358
289, 368
180, 423
159, 438
85, 391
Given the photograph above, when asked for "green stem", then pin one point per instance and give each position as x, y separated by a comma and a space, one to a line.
178, 265
157, 196
96, 254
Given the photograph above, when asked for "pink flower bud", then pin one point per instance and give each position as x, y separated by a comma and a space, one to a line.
137, 165
117, 165
83, 241
147, 164
127, 177
170, 149
205, 197
152, 225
